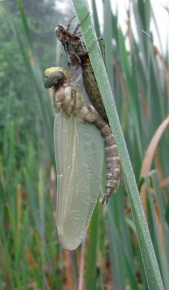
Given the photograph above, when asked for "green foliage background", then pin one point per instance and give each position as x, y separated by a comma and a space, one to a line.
31, 257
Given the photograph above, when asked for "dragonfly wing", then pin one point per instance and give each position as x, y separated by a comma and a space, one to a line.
79, 153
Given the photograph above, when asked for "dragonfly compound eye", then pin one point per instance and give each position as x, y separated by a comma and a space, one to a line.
53, 79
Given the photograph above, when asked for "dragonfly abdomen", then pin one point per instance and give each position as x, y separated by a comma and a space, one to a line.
112, 158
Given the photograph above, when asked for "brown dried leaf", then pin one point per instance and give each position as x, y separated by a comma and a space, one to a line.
150, 155
152, 147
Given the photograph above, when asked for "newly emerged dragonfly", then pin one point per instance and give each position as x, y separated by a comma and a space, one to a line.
79, 153
79, 56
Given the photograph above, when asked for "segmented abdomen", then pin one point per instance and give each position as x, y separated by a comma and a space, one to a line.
112, 158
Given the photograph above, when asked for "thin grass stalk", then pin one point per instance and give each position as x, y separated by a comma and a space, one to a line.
91, 251
5, 267
82, 265
148, 255
153, 182
69, 275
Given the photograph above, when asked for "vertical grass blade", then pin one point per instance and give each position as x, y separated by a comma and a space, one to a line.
149, 259
92, 251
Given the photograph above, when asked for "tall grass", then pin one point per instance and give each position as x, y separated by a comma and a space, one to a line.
109, 257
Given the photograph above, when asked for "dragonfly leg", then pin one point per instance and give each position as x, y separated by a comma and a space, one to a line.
68, 56
77, 27
79, 60
93, 44
103, 46
69, 23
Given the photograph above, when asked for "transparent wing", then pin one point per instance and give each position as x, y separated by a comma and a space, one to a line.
79, 153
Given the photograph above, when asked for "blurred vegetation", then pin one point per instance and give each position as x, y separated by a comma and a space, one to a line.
31, 257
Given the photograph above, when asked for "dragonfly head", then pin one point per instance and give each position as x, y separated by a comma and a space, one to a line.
53, 76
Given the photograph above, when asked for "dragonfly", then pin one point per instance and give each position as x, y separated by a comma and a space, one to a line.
79, 155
